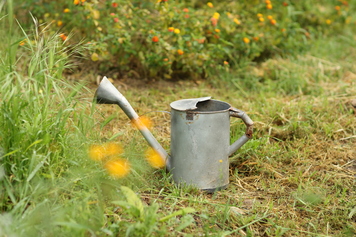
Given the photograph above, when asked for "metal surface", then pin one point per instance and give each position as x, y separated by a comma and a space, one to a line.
200, 137
200, 144
188, 104
108, 94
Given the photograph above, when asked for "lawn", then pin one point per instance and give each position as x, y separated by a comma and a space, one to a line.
295, 177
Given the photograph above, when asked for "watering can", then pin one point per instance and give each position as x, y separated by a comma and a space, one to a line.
200, 137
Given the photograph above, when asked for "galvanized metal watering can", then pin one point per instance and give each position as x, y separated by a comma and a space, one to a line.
200, 137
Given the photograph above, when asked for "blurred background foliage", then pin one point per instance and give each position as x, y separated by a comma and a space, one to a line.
187, 39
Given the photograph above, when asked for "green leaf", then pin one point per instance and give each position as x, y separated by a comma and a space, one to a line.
133, 199
178, 213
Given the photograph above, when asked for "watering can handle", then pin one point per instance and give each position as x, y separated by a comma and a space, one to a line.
248, 134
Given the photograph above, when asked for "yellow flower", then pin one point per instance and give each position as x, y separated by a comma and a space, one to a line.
246, 40
170, 29
177, 31
210, 4
76, 2
216, 15
155, 159
59, 23
269, 17
100, 152
142, 122
259, 15
328, 21
66, 10
96, 152
237, 21
269, 6
261, 19
217, 30
118, 167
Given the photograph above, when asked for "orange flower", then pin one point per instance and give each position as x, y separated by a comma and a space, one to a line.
63, 37
186, 10
337, 8
142, 122
246, 40
114, 4
155, 39
214, 21
237, 21
100, 152
226, 63
268, 2
180, 52
217, 30
285, 4
170, 29
269, 17
201, 41
210, 4
76, 2
59, 23
273, 22
118, 167
66, 10
269, 6
23, 42
256, 38
155, 159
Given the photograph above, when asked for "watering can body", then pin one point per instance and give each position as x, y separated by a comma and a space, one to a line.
200, 142
200, 137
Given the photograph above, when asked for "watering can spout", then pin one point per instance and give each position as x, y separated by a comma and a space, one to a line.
108, 94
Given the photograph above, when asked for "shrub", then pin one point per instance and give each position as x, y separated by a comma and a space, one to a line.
181, 38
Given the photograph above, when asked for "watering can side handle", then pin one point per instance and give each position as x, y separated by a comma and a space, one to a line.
249, 129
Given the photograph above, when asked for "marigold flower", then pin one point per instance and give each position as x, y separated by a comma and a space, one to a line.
261, 19
66, 10
259, 15
63, 37
201, 41
166, 59
155, 159
285, 4
22, 42
82, 1
100, 152
268, 2
214, 21
114, 4
237, 21
76, 2
269, 17
246, 40
273, 21
226, 63
118, 168
210, 4
217, 30
180, 52
256, 38
142, 121
177, 31
170, 29
59, 23
185, 9
155, 39
328, 21
337, 8
269, 6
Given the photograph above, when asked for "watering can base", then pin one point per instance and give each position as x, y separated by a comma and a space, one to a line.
213, 190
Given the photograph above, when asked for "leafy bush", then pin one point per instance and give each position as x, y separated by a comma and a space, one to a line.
187, 38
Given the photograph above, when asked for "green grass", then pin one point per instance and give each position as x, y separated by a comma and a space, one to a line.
296, 177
